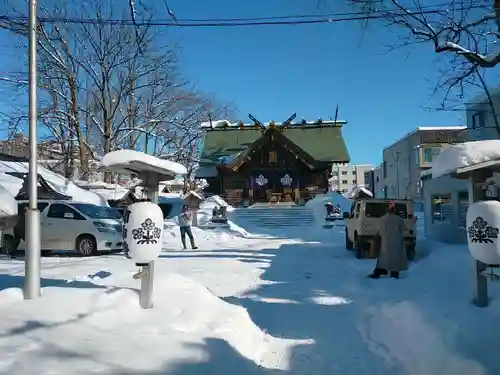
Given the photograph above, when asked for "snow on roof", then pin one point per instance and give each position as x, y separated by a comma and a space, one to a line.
357, 192
140, 161
225, 123
174, 182
465, 155
56, 181
425, 173
217, 123
8, 207
441, 128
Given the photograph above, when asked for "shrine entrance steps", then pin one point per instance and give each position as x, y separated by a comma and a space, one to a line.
278, 216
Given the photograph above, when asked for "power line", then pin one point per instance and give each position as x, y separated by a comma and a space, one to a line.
343, 14
258, 21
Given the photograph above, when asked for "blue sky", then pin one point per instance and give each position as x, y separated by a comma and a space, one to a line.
274, 71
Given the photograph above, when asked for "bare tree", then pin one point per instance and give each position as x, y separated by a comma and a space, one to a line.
465, 32
467, 28
107, 85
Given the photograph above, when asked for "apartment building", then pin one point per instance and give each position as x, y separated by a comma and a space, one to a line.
345, 177
374, 181
483, 117
404, 160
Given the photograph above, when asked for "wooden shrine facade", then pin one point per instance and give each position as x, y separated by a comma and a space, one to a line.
274, 163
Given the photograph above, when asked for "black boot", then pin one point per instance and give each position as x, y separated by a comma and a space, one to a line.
193, 246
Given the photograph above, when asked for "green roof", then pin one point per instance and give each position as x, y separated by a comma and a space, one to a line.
323, 143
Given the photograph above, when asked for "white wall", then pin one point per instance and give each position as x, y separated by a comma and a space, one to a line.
345, 177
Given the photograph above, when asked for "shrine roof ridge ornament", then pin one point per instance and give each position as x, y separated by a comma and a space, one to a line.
239, 125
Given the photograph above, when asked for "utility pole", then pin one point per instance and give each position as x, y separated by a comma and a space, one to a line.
32, 262
132, 110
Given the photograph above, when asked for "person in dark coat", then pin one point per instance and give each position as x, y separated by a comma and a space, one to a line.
392, 255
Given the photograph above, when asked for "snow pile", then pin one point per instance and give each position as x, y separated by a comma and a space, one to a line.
57, 182
204, 217
215, 200
132, 158
317, 205
220, 310
111, 334
206, 207
405, 319
465, 155
106, 190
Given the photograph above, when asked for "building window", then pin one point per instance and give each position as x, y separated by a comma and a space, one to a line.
417, 156
273, 158
354, 173
355, 182
345, 182
429, 154
344, 173
463, 205
384, 167
441, 208
477, 120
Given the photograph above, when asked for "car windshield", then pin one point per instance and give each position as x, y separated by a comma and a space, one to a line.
97, 212
376, 210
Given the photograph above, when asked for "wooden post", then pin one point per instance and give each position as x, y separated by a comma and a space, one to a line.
479, 281
297, 196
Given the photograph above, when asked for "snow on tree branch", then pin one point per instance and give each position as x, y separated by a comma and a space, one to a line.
468, 28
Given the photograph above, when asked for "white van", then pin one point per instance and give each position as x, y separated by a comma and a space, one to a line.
71, 226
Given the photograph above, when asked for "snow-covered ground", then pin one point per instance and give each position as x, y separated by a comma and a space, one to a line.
250, 306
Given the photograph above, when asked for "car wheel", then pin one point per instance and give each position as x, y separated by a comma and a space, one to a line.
10, 244
86, 245
348, 243
358, 246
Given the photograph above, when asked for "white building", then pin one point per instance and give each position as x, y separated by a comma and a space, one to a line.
345, 177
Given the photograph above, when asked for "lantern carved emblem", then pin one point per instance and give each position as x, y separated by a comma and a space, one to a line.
286, 180
261, 180
482, 233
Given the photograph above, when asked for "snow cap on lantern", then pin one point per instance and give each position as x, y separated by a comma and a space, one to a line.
483, 220
143, 231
